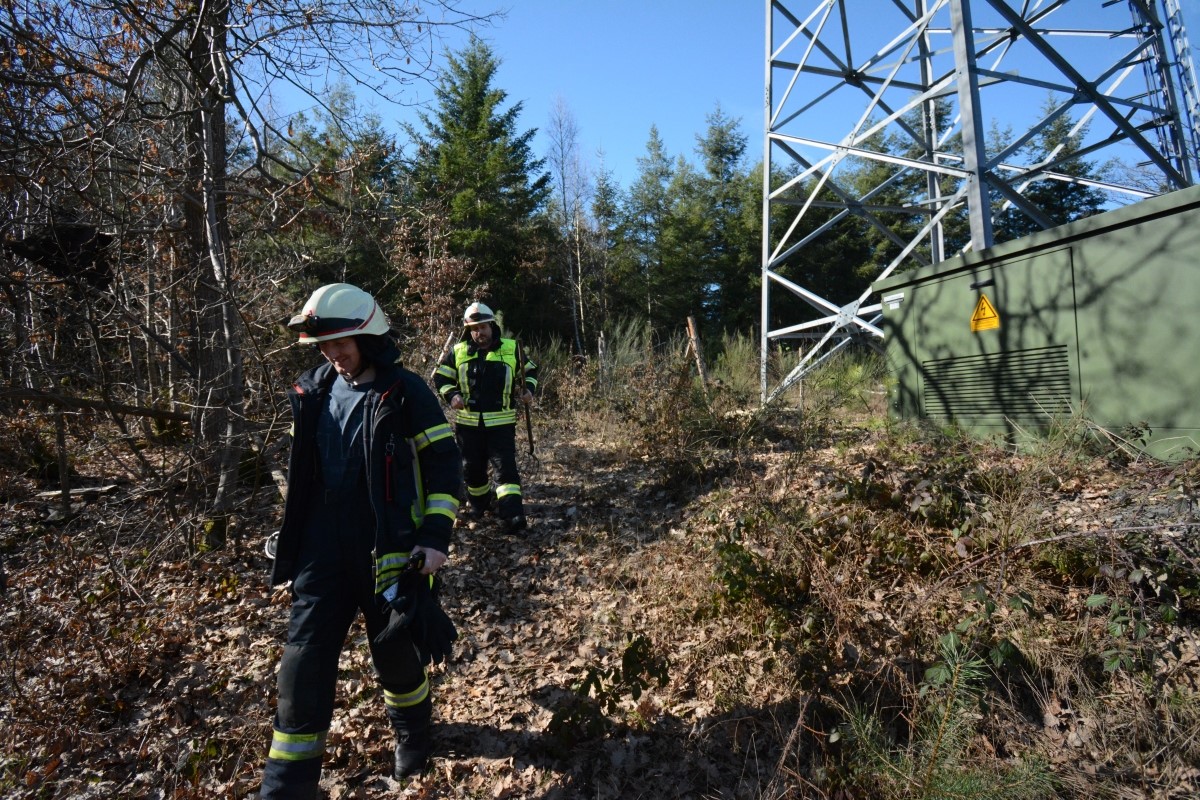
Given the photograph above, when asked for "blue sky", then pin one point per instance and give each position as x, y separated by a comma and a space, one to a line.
624, 65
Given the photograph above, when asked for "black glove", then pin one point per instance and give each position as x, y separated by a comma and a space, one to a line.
416, 610
433, 631
401, 603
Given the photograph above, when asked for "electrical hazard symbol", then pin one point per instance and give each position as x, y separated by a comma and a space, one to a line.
985, 317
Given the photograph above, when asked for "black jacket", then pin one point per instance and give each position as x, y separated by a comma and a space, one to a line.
412, 463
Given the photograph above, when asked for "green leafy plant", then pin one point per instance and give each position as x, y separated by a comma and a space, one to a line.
1126, 628
934, 762
746, 577
980, 625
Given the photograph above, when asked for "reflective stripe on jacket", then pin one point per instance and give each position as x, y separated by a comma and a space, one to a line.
413, 467
489, 381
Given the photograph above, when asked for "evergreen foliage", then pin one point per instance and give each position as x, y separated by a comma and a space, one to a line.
642, 272
473, 159
731, 201
935, 762
1059, 201
220, 216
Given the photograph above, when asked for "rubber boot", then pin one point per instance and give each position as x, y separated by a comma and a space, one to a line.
412, 726
479, 507
291, 780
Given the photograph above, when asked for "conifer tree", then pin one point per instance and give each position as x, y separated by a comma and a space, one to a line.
474, 161
732, 236
646, 210
1059, 201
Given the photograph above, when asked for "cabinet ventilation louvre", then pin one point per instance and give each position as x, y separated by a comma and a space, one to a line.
1020, 386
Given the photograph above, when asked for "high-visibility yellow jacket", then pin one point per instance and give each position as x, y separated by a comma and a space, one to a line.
490, 381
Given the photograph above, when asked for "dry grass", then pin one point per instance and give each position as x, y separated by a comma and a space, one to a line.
846, 548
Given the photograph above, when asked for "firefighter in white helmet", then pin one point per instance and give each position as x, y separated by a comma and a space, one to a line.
373, 484
482, 379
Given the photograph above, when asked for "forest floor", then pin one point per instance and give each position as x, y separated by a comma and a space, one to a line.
691, 621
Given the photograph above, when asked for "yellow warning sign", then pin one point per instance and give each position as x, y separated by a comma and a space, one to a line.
985, 317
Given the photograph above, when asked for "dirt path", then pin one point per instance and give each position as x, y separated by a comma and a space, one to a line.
534, 612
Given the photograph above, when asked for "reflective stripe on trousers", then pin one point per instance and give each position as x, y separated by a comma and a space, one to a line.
497, 447
334, 582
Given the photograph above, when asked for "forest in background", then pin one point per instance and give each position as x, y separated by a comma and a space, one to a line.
161, 218
160, 221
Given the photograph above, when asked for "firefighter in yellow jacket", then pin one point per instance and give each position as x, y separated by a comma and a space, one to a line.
483, 378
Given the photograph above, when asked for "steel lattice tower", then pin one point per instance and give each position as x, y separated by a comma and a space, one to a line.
916, 92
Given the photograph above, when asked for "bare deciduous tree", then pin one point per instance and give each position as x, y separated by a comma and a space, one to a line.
123, 115
573, 190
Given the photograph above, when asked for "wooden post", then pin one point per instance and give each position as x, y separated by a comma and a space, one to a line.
64, 461
445, 349
694, 343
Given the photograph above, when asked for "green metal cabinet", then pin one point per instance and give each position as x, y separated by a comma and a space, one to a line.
1100, 318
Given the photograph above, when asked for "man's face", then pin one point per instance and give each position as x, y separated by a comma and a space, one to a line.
344, 355
481, 334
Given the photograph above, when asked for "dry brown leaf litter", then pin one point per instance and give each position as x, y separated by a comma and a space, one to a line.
132, 675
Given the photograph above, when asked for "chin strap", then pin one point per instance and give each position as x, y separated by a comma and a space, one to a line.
353, 379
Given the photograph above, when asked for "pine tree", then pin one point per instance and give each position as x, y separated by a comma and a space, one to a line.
473, 161
608, 240
1060, 201
732, 274
647, 207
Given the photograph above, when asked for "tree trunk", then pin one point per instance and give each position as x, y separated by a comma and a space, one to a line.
581, 324
217, 420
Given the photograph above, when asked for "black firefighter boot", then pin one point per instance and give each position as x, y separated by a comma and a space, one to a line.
479, 507
412, 738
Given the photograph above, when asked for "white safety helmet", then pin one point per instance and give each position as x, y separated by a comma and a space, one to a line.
338, 310
477, 313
